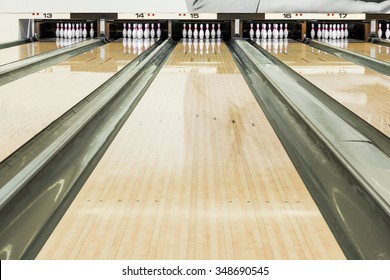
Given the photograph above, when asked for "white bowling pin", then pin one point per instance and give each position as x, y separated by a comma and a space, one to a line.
66, 31
257, 34
184, 32
135, 31
269, 33
77, 32
57, 30
201, 32
196, 32
346, 33
280, 31
342, 33
319, 32
380, 30
147, 31
158, 33
285, 30
124, 31
263, 32
334, 32
251, 32
219, 33
207, 32
189, 33
275, 31
152, 32
73, 31
213, 34
338, 34
312, 31
91, 31
70, 31
140, 32
62, 30
85, 33
387, 33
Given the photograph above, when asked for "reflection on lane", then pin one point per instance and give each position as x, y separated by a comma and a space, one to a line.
362, 90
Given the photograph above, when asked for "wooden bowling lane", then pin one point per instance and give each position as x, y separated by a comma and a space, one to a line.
30, 104
361, 90
375, 51
16, 53
195, 173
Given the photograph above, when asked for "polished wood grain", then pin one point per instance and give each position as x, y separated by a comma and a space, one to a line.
195, 173
362, 90
31, 103
16, 53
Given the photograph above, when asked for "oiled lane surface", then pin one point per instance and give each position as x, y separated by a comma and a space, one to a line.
30, 104
362, 90
375, 51
16, 53
195, 173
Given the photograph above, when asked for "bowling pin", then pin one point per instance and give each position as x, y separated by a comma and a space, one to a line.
319, 32
342, 33
66, 31
213, 34
70, 31
196, 32
219, 33
152, 32
158, 33
201, 32
73, 31
269, 33
285, 31
257, 34
380, 30
62, 30
346, 33
334, 32
207, 32
263, 32
124, 31
77, 32
281, 31
57, 30
184, 32
387, 33
338, 33
312, 32
147, 31
85, 33
140, 32
326, 32
189, 33
275, 32
91, 31
251, 32
135, 31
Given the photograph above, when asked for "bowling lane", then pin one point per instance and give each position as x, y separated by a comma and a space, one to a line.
196, 172
375, 51
26, 50
30, 104
361, 90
